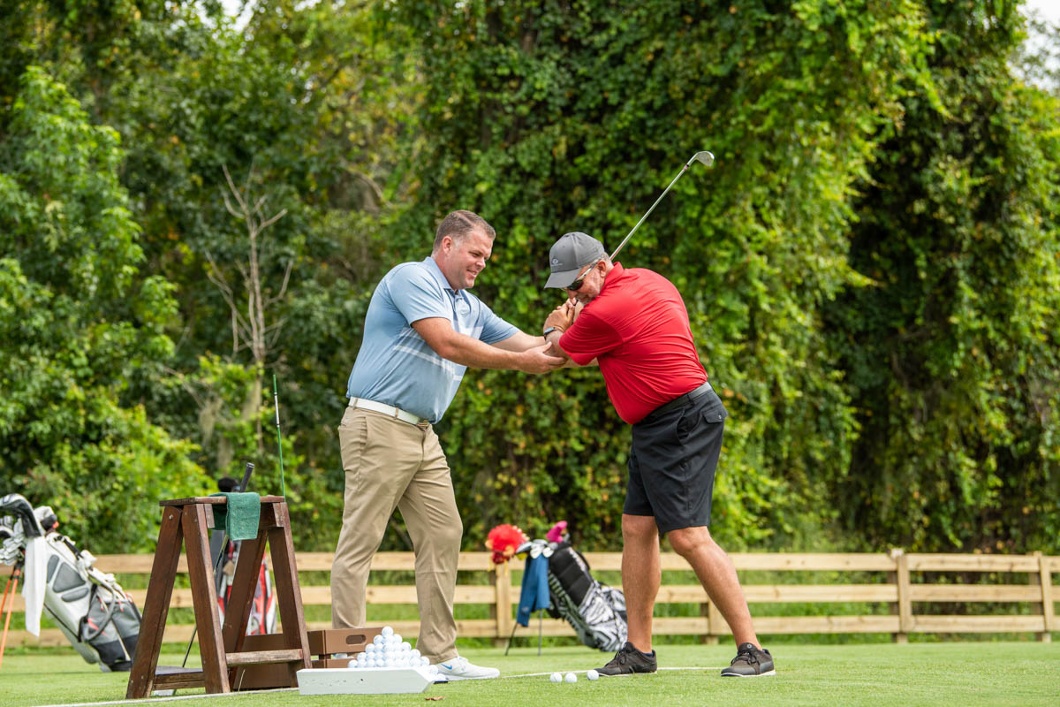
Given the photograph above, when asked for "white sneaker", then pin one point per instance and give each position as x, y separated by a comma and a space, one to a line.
461, 669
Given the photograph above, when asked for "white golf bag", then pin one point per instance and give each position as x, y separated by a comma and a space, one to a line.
89, 606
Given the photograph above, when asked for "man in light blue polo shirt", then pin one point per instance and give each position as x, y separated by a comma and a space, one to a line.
422, 331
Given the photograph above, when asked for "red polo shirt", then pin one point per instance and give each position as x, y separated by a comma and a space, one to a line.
637, 328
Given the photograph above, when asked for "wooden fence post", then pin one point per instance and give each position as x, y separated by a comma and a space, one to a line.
1044, 579
715, 623
501, 611
900, 577
708, 612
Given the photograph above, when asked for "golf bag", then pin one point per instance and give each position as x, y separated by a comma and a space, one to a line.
89, 606
224, 553
597, 612
263, 611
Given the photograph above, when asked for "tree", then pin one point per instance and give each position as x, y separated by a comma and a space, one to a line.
77, 324
954, 353
556, 116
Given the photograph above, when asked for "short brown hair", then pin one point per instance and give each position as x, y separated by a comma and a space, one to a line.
459, 224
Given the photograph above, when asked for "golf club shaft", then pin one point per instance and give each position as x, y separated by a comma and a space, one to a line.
705, 157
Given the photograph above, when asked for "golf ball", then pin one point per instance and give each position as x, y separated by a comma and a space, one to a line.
571, 677
555, 677
592, 675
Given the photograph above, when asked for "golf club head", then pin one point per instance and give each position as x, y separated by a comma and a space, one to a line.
705, 156
18, 506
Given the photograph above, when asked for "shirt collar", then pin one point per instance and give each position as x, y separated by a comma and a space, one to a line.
439, 277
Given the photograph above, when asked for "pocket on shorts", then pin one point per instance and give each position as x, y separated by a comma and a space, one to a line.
702, 412
714, 410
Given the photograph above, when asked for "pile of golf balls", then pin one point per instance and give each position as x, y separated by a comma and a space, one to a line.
387, 650
560, 677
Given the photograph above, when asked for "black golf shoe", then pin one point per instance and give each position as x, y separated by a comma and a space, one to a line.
750, 662
629, 660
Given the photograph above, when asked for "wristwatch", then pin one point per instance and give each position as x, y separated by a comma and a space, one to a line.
548, 331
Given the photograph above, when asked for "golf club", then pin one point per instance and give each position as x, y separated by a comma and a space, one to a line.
703, 156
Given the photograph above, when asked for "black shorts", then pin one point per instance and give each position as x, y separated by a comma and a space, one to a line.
673, 459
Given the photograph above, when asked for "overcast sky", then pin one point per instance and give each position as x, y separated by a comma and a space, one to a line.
1048, 9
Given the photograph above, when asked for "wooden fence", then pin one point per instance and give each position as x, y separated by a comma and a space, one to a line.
893, 594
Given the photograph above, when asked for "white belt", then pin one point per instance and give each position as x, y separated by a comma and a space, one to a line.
390, 410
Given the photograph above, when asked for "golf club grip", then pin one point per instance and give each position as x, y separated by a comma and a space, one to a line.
247, 471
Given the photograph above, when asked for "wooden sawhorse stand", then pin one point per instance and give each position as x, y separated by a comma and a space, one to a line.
188, 521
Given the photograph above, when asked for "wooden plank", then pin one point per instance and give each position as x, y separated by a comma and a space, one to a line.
975, 593
179, 680
818, 562
789, 625
611, 561
548, 627
284, 655
315, 561
821, 593
684, 626
782, 625
923, 562
977, 624
49, 637
406, 594
321, 596
132, 564
787, 593
777, 562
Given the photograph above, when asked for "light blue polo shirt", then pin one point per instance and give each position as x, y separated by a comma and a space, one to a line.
395, 365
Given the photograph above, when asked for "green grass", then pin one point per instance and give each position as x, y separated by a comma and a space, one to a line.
963, 673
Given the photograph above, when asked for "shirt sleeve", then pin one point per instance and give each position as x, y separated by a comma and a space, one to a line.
416, 294
589, 338
494, 328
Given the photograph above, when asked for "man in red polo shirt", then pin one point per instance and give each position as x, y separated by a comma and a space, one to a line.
634, 324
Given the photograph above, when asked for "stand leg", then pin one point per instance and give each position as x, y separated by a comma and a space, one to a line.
156, 606
288, 589
204, 598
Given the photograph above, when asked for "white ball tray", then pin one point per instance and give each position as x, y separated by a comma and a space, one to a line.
363, 681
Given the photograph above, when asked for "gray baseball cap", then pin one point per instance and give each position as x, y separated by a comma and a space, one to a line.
571, 253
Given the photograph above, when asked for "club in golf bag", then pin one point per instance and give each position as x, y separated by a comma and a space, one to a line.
89, 606
224, 553
704, 156
595, 611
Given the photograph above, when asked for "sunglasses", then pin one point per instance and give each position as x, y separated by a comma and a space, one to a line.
577, 284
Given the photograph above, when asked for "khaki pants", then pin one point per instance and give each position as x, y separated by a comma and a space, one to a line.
389, 465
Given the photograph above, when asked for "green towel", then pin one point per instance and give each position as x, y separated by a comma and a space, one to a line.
240, 516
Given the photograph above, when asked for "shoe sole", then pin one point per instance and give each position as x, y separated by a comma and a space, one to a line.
756, 675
